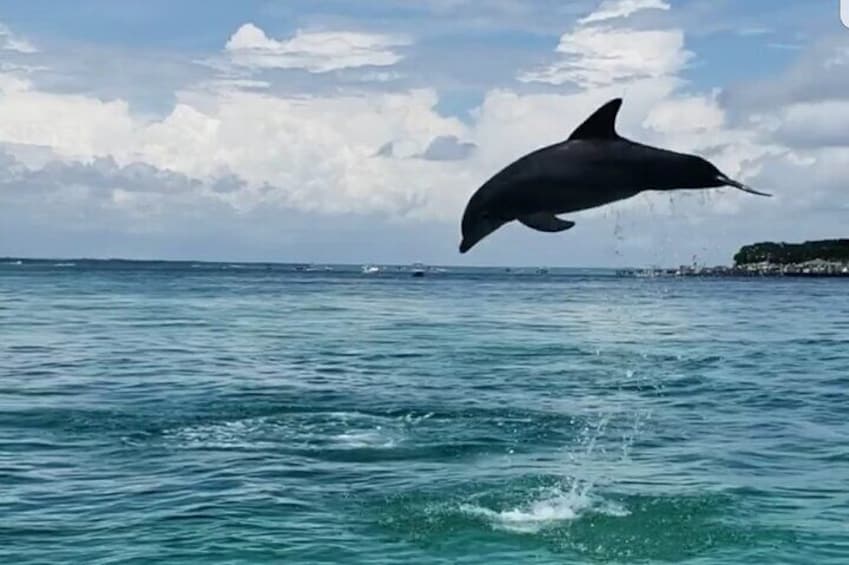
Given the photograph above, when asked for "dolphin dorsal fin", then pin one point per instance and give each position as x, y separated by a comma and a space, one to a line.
601, 124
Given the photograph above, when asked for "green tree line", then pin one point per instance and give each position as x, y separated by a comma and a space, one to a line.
783, 253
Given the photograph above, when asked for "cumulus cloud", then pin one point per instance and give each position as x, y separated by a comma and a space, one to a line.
314, 154
99, 176
596, 55
314, 51
77, 195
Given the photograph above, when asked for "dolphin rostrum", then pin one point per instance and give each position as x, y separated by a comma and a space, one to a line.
593, 167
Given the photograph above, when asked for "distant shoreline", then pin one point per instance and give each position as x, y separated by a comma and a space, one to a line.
748, 271
821, 258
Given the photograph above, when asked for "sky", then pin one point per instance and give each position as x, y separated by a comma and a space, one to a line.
332, 131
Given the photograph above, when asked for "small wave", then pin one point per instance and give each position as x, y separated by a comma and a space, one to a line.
373, 439
252, 267
411, 418
13, 262
558, 507
64, 264
313, 432
235, 434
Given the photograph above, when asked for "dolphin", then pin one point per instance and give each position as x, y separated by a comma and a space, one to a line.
594, 166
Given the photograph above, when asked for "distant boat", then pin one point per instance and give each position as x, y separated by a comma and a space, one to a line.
370, 269
653, 271
418, 269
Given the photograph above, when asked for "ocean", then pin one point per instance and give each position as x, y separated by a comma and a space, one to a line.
156, 412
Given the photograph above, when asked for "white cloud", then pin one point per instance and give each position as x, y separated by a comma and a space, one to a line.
686, 114
235, 83
11, 42
315, 51
596, 55
808, 124
611, 9
101, 173
307, 153
813, 194
75, 126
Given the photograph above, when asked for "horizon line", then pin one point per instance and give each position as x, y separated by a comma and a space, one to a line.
7, 258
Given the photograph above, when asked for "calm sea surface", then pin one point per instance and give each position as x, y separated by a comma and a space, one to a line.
212, 413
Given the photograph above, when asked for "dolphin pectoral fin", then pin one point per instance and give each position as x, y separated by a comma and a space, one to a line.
543, 221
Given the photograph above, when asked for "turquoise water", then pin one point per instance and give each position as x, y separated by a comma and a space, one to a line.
203, 413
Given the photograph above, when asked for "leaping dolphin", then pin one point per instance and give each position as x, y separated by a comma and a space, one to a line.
593, 167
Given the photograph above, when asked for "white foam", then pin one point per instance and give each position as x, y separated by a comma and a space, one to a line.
411, 419
365, 439
236, 434
539, 514
342, 431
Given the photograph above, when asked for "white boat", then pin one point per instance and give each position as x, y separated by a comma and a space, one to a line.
418, 269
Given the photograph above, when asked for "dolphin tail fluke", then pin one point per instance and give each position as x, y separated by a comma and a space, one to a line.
739, 185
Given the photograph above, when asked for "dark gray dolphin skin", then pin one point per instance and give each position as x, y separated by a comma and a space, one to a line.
593, 167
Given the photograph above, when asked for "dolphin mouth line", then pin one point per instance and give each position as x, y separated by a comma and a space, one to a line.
740, 185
